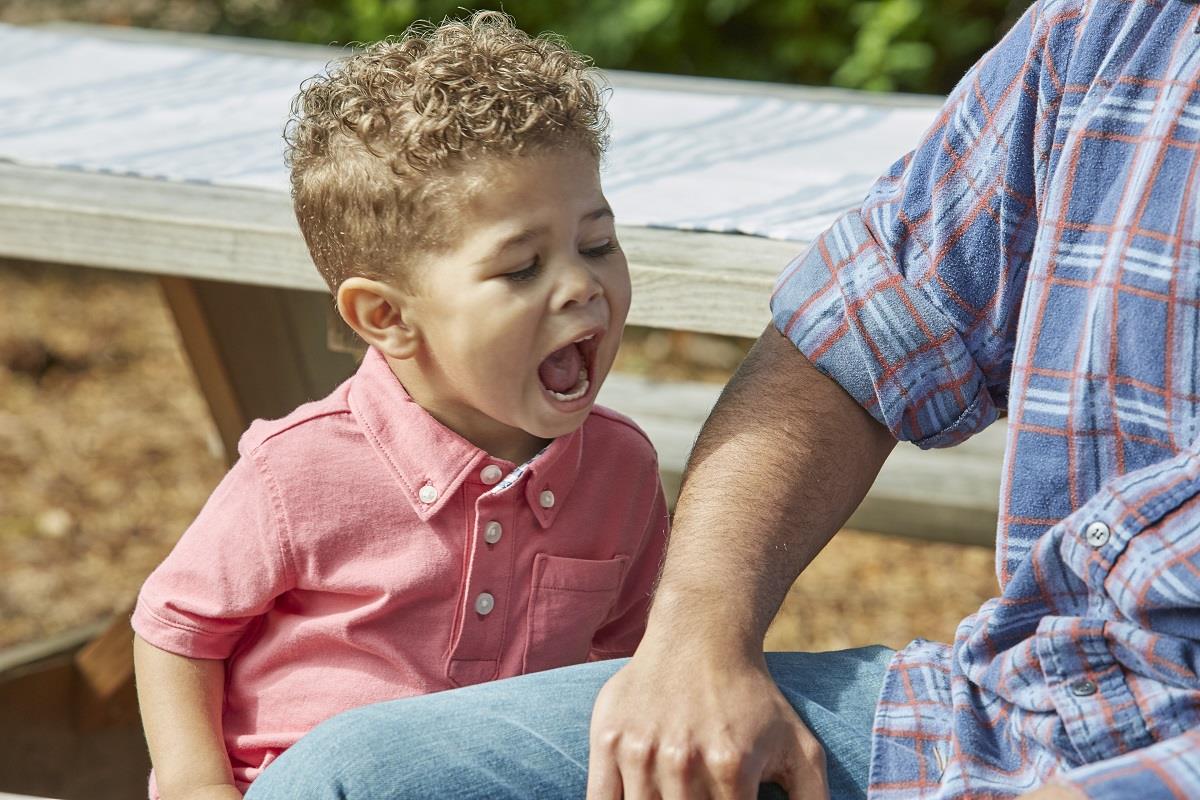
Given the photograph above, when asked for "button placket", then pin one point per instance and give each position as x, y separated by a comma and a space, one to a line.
489, 581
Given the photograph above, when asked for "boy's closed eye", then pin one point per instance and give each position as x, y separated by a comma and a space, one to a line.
533, 268
525, 273
605, 248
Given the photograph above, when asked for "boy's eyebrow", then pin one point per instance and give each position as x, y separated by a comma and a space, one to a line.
599, 213
532, 233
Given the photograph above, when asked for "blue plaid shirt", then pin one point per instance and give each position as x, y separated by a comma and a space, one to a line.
1039, 255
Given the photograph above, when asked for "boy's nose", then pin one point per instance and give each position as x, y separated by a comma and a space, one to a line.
580, 286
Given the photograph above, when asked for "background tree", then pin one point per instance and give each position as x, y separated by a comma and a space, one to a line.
883, 45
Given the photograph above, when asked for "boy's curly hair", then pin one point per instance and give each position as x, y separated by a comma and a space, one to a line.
373, 144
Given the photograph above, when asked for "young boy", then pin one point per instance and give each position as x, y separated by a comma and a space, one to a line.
458, 511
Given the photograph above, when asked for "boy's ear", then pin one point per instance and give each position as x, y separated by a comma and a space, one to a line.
376, 312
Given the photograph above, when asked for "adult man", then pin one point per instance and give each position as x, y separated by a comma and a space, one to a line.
1037, 253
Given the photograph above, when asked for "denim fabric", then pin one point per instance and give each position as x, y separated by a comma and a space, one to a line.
526, 737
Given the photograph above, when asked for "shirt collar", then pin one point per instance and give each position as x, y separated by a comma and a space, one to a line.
431, 462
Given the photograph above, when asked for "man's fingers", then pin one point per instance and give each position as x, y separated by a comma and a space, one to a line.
805, 783
731, 730
804, 776
677, 772
733, 775
604, 777
635, 758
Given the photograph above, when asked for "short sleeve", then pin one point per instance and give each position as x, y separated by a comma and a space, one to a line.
224, 572
910, 301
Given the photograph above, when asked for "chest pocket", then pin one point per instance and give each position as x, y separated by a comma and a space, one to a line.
570, 599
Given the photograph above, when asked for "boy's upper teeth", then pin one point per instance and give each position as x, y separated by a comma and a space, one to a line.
584, 339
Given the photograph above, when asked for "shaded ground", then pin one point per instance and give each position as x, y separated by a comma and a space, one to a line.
106, 454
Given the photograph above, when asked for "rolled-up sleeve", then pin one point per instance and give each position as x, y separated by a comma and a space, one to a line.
224, 572
910, 301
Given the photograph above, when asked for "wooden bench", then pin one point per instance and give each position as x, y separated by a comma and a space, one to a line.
254, 319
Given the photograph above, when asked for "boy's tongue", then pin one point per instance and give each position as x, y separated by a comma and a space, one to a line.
560, 371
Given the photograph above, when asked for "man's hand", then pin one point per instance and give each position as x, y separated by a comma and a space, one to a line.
783, 460
676, 727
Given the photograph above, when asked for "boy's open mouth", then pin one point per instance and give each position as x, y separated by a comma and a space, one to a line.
565, 373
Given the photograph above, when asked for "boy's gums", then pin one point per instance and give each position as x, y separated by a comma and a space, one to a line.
459, 510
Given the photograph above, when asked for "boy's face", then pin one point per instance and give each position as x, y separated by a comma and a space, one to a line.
519, 320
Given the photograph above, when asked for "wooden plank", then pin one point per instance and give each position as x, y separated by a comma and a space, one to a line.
709, 282
949, 495
142, 225
272, 342
208, 365
59, 742
18, 659
106, 663
617, 78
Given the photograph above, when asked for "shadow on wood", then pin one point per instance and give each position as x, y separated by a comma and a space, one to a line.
62, 739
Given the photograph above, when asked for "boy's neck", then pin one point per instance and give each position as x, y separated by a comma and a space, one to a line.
497, 440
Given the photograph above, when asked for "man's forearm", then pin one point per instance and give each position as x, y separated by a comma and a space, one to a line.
785, 457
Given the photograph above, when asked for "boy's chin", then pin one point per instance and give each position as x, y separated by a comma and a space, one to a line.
558, 424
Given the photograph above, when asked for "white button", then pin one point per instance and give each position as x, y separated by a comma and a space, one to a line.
493, 532
428, 494
484, 604
491, 474
1097, 534
546, 499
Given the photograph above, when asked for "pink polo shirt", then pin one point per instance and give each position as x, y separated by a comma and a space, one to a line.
360, 551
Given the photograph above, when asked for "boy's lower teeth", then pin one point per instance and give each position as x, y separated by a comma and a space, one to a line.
581, 389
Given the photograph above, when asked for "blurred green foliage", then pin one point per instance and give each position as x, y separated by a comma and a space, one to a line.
884, 45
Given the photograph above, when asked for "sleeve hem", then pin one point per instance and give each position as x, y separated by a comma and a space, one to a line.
972, 420
883, 339
180, 639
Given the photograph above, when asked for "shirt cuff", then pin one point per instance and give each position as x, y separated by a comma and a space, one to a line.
180, 638
881, 337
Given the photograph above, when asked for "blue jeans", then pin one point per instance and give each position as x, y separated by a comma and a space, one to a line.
527, 737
